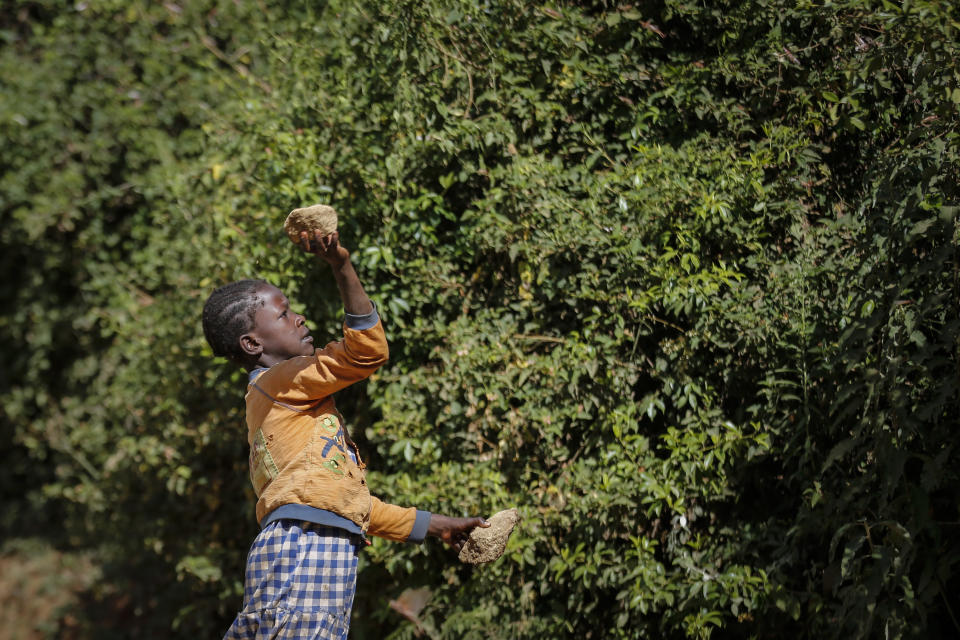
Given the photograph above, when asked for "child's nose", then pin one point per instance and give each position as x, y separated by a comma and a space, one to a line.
301, 320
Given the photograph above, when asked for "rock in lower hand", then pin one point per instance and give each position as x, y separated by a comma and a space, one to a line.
487, 544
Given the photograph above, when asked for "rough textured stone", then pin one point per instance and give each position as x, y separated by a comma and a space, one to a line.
485, 545
319, 216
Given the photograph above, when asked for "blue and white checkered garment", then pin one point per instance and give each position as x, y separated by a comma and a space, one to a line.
300, 581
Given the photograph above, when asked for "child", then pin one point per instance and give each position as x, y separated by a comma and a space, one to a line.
313, 504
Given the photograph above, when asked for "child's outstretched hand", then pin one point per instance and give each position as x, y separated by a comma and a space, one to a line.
327, 247
453, 531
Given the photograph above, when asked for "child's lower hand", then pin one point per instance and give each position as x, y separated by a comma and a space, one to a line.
453, 531
327, 247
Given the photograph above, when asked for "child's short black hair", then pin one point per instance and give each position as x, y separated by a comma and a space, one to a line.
228, 314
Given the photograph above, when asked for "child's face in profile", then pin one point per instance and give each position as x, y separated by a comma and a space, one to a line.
281, 333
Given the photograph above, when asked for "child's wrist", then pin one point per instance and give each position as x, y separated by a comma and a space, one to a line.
343, 271
339, 265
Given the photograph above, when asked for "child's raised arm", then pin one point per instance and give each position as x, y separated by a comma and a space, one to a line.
355, 300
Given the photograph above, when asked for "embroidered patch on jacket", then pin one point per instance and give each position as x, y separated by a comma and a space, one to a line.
328, 429
335, 464
262, 467
329, 425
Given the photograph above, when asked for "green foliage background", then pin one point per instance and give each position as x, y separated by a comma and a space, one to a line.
678, 280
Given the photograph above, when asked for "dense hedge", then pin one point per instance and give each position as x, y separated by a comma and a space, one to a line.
678, 281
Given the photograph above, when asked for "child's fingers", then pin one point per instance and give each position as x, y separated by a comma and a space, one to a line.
327, 243
320, 243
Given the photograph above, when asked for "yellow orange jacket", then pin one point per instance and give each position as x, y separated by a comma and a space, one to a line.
303, 464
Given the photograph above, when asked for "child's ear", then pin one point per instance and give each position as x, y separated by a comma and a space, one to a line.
251, 345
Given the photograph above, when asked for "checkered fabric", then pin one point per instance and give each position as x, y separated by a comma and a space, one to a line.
300, 582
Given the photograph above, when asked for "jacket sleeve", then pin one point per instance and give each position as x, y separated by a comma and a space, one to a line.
304, 379
400, 524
